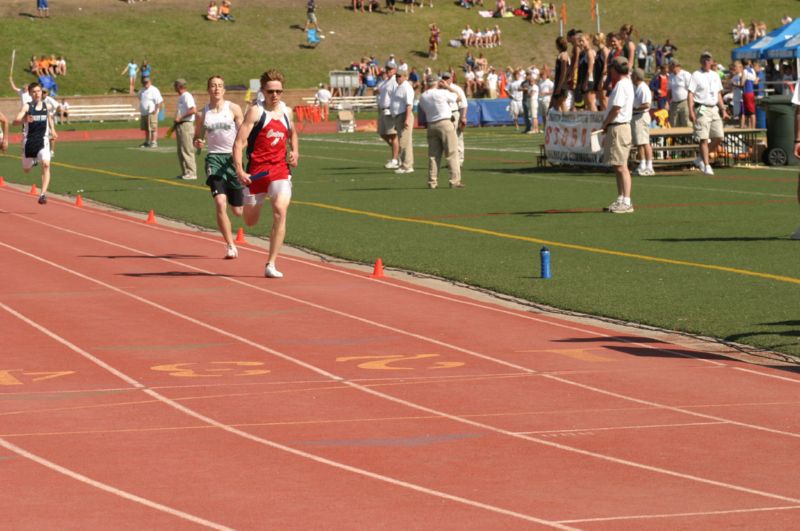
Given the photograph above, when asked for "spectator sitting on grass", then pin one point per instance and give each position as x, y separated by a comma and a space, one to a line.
225, 11
61, 66
211, 11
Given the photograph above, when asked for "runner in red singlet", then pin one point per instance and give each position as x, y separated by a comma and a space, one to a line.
272, 147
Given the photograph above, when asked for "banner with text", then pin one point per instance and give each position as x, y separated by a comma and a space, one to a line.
568, 138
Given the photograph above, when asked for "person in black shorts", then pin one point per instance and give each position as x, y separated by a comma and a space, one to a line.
216, 127
38, 128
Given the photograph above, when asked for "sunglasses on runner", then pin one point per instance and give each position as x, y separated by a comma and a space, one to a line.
274, 91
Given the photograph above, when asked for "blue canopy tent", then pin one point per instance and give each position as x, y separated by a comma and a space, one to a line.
776, 41
786, 49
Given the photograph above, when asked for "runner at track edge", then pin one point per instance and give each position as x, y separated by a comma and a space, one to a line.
265, 131
38, 129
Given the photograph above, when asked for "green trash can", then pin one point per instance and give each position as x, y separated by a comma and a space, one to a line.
780, 130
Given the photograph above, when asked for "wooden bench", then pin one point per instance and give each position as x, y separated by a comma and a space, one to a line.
92, 113
355, 103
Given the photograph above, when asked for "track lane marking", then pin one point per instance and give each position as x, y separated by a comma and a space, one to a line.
235, 431
407, 403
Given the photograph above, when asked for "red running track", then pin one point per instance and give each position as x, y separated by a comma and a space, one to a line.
147, 383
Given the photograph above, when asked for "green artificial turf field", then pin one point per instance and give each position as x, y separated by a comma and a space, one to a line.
705, 255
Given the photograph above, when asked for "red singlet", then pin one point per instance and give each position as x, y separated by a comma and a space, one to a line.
269, 154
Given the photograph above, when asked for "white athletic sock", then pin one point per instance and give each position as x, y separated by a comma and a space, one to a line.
626, 201
650, 164
642, 165
620, 198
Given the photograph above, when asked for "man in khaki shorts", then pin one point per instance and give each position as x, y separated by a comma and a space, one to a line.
150, 104
383, 92
617, 129
705, 102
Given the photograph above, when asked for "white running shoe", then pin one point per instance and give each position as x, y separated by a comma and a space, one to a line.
622, 208
796, 235
699, 164
232, 252
404, 170
708, 170
392, 165
612, 206
271, 272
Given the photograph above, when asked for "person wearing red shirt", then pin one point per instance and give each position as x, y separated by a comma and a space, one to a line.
272, 147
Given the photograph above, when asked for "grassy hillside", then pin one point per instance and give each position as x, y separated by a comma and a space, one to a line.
98, 37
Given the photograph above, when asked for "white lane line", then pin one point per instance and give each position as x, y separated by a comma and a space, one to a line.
679, 515
614, 428
235, 431
765, 375
400, 401
108, 488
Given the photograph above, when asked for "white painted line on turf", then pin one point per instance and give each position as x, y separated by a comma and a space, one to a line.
108, 488
235, 431
409, 404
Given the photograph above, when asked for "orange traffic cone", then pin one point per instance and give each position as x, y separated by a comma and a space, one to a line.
33, 191
79, 201
2, 181
151, 218
240, 236
378, 271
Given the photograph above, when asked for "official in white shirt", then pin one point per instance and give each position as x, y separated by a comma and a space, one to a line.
459, 108
435, 112
150, 103
705, 102
617, 129
383, 93
402, 109
184, 131
640, 124
678, 89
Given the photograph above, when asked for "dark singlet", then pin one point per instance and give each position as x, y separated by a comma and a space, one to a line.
599, 64
36, 130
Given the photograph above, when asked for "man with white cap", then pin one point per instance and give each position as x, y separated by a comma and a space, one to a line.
384, 91
434, 112
705, 102
402, 109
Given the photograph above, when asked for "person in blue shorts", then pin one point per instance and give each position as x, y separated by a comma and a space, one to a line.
43, 8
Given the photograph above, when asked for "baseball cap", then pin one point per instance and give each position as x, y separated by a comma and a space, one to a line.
402, 70
705, 55
180, 82
638, 73
445, 75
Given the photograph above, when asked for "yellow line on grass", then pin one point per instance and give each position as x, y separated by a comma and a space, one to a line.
485, 232
598, 250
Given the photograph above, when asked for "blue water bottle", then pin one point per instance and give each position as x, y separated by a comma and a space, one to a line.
544, 255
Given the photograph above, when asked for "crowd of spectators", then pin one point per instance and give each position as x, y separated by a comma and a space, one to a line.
744, 33
489, 38
48, 65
